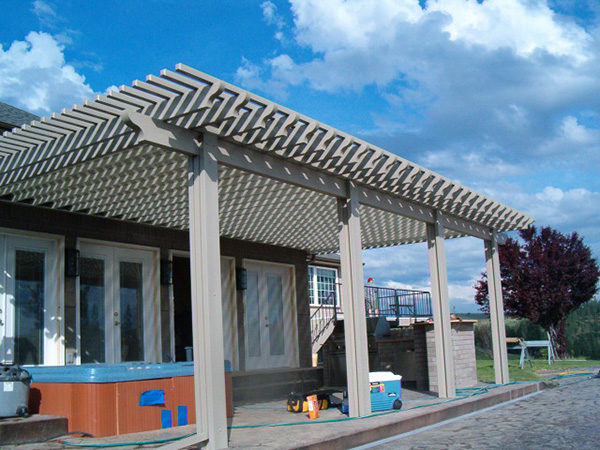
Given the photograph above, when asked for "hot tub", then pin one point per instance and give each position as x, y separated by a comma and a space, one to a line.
103, 399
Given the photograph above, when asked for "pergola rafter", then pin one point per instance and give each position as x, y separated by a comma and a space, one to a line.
190, 99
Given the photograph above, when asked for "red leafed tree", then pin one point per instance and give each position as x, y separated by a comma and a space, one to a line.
545, 276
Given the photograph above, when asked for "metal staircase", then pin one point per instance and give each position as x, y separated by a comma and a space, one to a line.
323, 320
402, 307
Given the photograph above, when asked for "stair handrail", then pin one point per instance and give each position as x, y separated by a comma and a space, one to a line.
323, 316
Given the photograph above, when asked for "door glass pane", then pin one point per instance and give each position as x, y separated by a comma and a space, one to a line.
92, 295
275, 300
29, 307
131, 298
253, 315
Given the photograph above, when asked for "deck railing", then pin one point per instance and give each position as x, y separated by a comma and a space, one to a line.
379, 302
397, 303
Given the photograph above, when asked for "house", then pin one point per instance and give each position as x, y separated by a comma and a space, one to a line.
11, 117
105, 206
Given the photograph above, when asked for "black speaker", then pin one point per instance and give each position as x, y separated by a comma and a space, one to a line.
241, 278
71, 262
166, 272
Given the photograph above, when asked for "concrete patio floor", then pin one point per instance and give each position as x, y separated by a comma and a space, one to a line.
268, 425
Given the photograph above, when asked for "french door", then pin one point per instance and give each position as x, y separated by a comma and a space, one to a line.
28, 300
269, 317
116, 304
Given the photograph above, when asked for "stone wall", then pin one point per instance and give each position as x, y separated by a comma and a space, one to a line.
463, 343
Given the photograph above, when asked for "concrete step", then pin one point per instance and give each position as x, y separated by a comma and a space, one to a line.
35, 428
274, 383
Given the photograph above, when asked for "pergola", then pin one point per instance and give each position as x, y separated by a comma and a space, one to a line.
188, 151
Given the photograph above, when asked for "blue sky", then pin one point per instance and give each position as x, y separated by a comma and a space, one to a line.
501, 95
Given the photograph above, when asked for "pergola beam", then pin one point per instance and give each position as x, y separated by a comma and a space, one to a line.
162, 134
236, 156
243, 158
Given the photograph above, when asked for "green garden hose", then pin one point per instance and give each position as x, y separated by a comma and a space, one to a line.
462, 394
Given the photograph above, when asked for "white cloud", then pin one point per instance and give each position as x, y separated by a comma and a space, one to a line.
550, 194
111, 88
45, 12
350, 24
468, 163
581, 143
493, 93
410, 287
523, 26
272, 17
34, 76
462, 297
361, 42
471, 89
249, 75
567, 210
407, 267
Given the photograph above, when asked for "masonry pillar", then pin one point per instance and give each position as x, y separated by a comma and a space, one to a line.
492, 262
441, 308
353, 305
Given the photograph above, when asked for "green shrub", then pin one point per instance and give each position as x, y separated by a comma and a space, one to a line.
582, 332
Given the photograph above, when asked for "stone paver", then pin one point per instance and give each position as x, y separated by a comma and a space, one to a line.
560, 419
564, 418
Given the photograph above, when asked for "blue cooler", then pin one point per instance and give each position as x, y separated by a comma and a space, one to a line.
385, 391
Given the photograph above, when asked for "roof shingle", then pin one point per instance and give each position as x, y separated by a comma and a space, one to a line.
11, 117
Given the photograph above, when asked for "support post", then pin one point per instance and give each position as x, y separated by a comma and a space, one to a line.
492, 262
353, 305
205, 254
441, 309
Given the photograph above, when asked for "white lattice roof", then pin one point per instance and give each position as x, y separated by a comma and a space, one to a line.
86, 160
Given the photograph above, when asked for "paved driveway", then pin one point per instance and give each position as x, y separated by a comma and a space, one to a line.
564, 418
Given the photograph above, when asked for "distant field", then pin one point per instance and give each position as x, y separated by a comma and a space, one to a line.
473, 316
485, 369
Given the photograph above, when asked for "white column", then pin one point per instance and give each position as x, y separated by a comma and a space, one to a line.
353, 305
492, 262
205, 254
441, 309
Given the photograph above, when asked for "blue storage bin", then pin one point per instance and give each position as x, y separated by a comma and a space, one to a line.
385, 390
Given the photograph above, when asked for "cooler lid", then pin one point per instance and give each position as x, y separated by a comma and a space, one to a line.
375, 377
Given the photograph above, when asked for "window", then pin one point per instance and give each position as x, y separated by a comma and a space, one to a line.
323, 285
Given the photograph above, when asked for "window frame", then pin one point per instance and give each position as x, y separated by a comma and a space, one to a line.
313, 284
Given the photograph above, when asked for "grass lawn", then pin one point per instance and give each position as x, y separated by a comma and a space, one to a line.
485, 369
